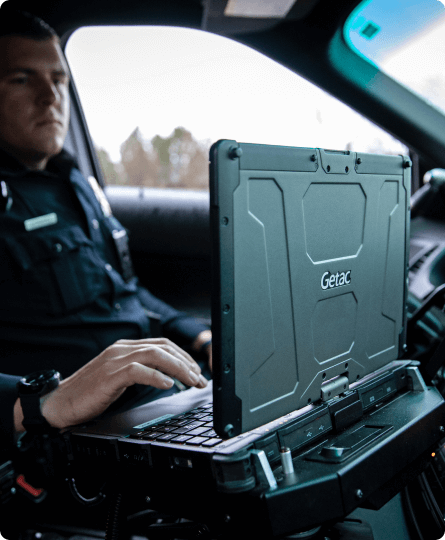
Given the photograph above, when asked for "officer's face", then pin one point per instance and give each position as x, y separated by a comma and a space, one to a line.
34, 99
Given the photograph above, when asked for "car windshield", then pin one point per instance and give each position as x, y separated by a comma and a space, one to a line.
406, 40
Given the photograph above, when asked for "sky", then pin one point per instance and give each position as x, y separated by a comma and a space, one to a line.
160, 78
419, 65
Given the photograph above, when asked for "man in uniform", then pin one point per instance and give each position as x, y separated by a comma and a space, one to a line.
66, 284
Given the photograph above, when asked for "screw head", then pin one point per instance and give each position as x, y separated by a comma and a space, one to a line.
441, 429
235, 152
359, 494
147, 499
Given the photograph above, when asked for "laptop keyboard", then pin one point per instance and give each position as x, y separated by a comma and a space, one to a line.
193, 428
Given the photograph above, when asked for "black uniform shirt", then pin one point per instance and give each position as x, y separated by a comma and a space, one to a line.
63, 298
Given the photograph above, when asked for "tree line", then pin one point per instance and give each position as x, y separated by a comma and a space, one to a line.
176, 161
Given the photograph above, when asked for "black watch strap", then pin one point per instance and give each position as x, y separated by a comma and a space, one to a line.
33, 419
31, 388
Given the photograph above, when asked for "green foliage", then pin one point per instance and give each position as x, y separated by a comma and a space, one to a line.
139, 166
176, 161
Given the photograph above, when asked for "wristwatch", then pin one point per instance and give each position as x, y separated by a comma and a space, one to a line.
31, 388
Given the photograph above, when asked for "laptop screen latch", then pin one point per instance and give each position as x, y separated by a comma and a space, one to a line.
334, 387
415, 380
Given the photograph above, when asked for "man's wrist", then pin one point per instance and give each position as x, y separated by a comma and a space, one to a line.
33, 390
47, 410
18, 417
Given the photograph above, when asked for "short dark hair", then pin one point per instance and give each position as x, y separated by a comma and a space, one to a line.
21, 23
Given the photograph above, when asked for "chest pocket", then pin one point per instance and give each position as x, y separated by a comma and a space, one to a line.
55, 272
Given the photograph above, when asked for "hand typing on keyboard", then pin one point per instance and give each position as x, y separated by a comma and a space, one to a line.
90, 390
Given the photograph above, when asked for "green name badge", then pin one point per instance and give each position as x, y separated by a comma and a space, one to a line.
40, 221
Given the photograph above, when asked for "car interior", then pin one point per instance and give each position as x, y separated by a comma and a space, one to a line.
368, 55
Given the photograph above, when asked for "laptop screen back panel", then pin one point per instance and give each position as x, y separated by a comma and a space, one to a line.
309, 274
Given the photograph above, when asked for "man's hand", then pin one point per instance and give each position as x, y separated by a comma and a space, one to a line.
90, 390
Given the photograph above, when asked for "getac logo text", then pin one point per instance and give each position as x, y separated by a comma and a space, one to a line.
330, 281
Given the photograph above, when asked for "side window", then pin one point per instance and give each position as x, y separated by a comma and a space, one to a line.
156, 98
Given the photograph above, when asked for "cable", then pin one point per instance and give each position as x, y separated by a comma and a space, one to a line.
93, 501
116, 519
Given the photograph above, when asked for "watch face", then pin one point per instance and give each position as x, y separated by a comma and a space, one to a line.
39, 382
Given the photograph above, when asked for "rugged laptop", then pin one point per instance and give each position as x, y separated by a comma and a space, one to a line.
310, 252
309, 273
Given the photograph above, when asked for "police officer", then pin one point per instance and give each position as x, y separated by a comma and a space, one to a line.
66, 283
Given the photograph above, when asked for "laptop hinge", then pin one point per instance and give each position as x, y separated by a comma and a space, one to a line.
334, 387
